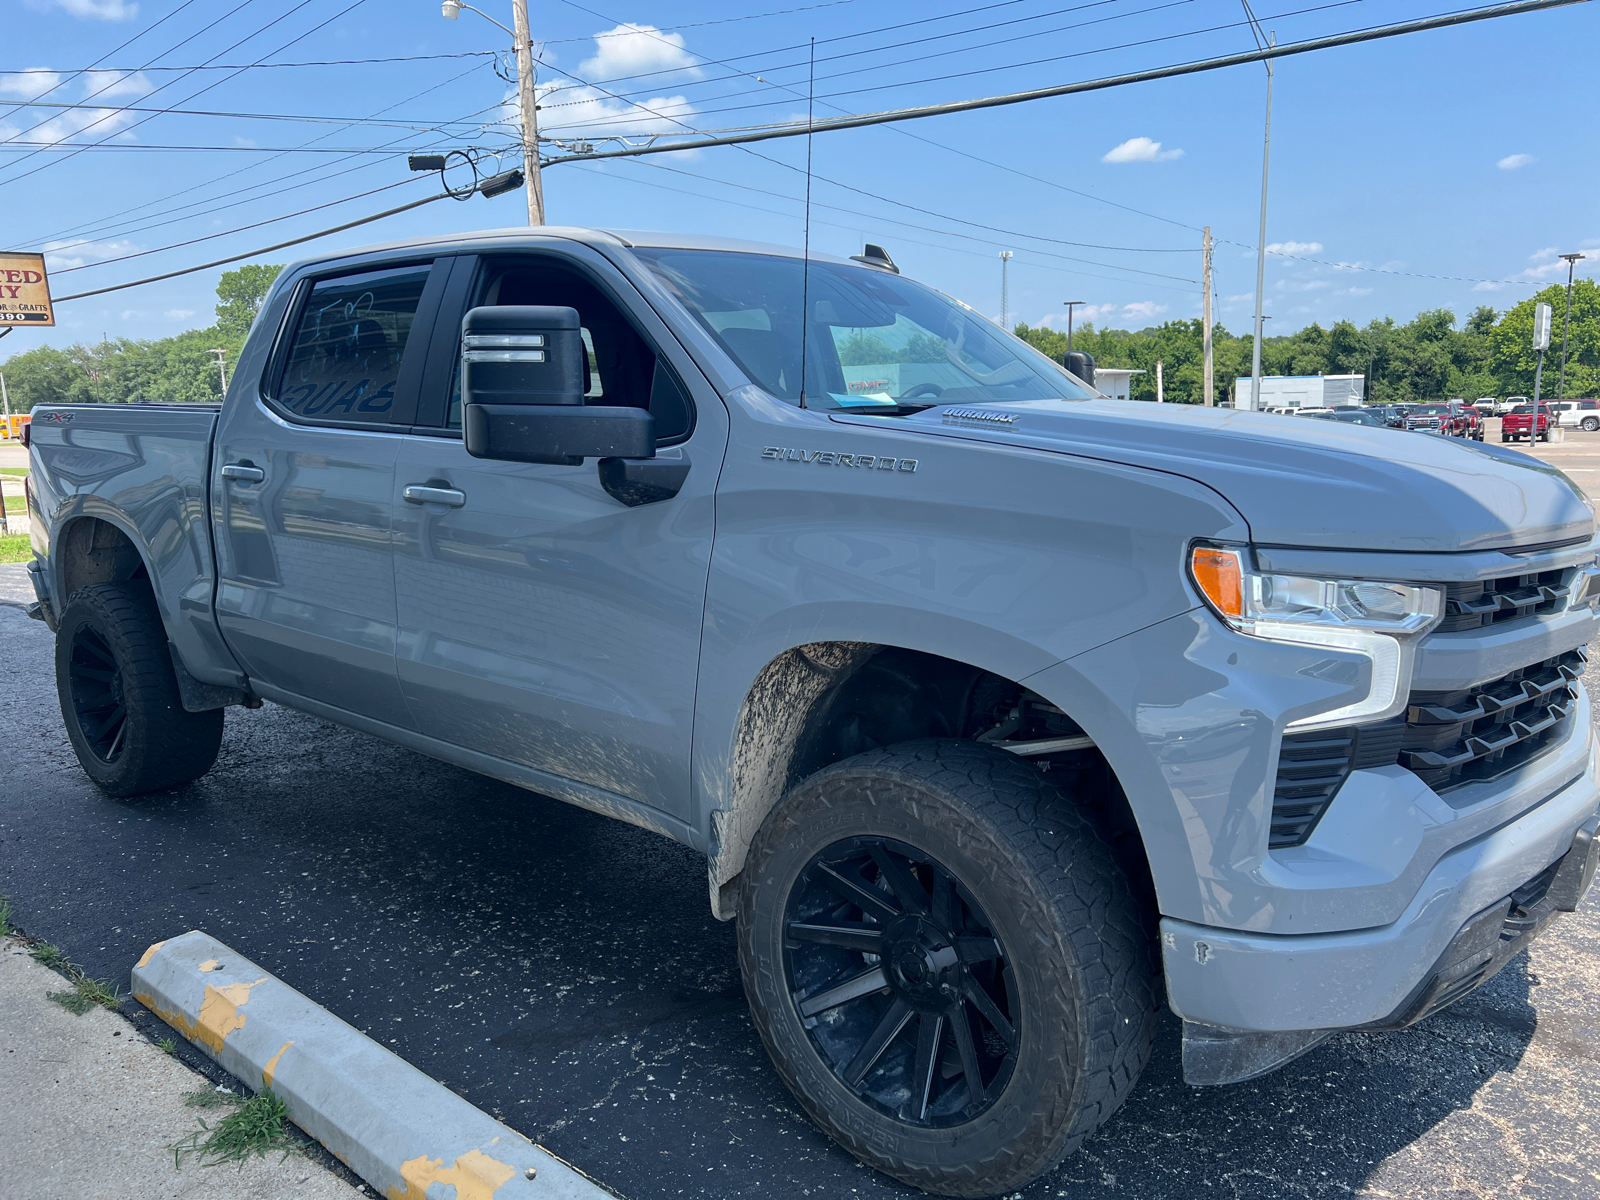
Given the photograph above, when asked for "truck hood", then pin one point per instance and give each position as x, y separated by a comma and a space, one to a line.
1299, 481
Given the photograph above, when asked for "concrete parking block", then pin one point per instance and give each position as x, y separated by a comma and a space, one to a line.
400, 1130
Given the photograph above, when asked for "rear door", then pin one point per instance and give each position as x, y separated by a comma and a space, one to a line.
541, 621
303, 476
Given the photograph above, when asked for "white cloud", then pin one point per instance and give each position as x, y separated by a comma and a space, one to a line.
1142, 309
101, 10
1512, 161
115, 85
29, 84
178, 314
1294, 247
1082, 313
59, 255
1139, 149
628, 50
631, 49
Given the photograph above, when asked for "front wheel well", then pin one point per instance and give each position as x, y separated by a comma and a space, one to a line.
817, 704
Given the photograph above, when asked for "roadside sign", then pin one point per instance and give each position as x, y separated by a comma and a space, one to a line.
1541, 327
24, 291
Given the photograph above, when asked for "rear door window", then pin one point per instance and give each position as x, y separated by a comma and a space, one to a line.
343, 359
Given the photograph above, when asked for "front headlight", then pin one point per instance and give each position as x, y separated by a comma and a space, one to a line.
1383, 621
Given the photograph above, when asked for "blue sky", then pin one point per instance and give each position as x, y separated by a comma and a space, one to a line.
1444, 169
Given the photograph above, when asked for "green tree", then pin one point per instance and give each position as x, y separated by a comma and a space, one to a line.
240, 293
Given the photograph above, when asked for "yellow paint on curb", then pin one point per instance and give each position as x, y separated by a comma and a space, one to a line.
149, 954
174, 1018
219, 1012
210, 964
475, 1176
271, 1069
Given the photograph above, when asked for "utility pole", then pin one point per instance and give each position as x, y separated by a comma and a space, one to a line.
1261, 239
1005, 294
222, 370
530, 113
1205, 279
1572, 262
1161, 392
521, 39
1070, 304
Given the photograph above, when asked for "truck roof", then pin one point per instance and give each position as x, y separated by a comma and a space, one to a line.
502, 239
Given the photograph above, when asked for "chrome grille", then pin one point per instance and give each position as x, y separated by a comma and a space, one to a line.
1487, 601
1455, 738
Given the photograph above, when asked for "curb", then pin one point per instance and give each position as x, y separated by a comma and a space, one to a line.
398, 1129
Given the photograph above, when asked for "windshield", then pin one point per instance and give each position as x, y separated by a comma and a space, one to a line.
1429, 410
875, 340
1357, 418
1522, 410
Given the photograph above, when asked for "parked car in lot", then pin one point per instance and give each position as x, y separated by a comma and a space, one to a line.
1576, 414
1522, 422
1444, 419
1474, 420
1003, 714
1354, 416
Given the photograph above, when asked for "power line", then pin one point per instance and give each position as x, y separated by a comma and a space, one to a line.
240, 229
210, 86
108, 223
830, 124
238, 116
219, 262
326, 62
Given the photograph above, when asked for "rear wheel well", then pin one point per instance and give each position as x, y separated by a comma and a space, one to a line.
818, 704
90, 551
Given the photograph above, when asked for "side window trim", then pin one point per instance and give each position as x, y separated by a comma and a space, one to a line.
433, 399
402, 412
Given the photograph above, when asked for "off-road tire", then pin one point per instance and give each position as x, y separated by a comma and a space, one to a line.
162, 744
1545, 436
1081, 945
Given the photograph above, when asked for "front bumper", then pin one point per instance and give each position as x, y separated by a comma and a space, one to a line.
1392, 975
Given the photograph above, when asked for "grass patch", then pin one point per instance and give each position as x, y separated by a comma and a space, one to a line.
7, 929
15, 472
86, 993
253, 1129
167, 1046
14, 548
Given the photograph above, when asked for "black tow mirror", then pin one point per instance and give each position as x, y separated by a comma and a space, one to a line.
522, 386
1080, 364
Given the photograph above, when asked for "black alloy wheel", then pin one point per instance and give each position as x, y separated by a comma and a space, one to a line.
97, 695
119, 694
901, 983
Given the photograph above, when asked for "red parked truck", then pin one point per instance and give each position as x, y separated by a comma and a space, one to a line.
1523, 422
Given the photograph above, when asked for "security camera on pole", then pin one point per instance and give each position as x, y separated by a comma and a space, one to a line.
1541, 343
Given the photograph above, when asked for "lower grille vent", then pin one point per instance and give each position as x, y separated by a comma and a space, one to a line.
1313, 766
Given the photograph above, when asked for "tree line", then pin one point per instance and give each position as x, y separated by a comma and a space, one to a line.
178, 369
1431, 357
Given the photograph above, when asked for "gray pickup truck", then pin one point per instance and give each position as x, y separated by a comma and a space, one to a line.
1003, 712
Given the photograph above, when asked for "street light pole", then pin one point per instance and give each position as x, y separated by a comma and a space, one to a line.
1261, 239
1205, 279
1071, 304
1572, 262
526, 100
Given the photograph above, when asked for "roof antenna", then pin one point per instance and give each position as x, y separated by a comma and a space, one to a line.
805, 269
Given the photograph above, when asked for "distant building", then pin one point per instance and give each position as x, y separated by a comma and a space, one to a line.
1301, 391
1113, 381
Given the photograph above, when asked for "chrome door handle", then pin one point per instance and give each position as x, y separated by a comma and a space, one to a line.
243, 474
419, 493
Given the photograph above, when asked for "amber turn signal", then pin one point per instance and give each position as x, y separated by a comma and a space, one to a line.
1220, 577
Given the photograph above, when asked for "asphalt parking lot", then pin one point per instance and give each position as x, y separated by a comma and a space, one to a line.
563, 972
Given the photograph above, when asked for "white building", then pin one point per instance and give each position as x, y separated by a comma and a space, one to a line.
1301, 391
1113, 381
